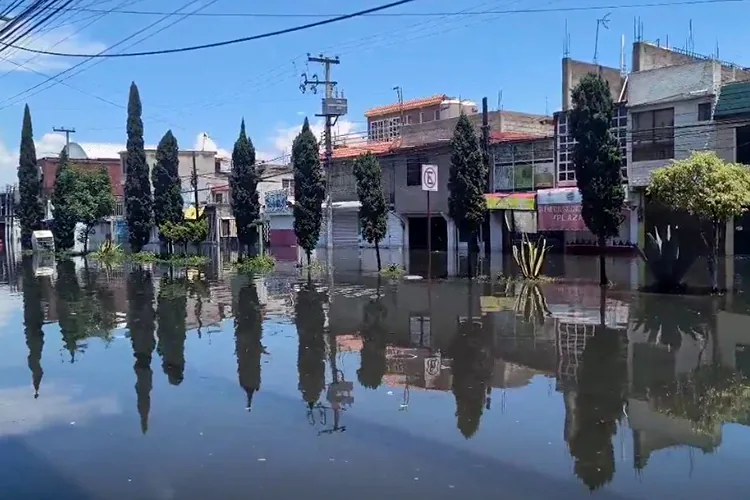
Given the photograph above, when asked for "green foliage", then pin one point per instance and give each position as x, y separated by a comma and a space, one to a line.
309, 189
171, 312
665, 260
596, 157
703, 186
243, 184
186, 231
248, 332
33, 321
258, 264
142, 257
310, 322
93, 200
375, 338
138, 201
373, 211
468, 179
393, 271
109, 253
141, 323
30, 209
529, 257
63, 199
165, 178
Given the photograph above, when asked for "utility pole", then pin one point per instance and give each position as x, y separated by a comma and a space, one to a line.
67, 132
194, 183
333, 107
486, 160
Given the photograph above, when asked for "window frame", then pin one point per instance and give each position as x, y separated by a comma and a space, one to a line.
654, 142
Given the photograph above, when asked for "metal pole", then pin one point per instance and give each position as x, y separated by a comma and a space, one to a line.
429, 237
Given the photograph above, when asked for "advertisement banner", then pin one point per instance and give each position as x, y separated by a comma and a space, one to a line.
523, 177
514, 201
503, 177
559, 196
561, 218
544, 175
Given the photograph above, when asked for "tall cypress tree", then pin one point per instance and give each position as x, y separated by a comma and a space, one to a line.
309, 189
468, 177
243, 183
373, 212
63, 198
597, 161
168, 202
30, 208
138, 202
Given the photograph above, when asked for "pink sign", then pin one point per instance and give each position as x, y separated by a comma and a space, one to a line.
561, 218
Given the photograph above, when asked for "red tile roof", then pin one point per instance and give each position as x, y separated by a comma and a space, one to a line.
497, 136
376, 148
406, 105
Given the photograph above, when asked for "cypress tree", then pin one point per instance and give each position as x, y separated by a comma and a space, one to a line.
141, 322
138, 202
168, 202
248, 331
243, 183
597, 161
309, 317
467, 181
30, 208
373, 212
309, 189
63, 198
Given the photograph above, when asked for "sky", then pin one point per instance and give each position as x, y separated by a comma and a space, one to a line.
210, 91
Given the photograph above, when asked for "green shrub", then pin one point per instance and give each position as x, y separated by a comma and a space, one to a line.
257, 264
393, 271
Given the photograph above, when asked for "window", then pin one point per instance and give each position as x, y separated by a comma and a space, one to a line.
414, 169
288, 185
653, 135
704, 111
409, 119
385, 130
619, 130
219, 198
437, 114
224, 227
565, 170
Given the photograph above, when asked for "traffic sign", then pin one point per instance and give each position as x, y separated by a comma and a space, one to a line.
429, 178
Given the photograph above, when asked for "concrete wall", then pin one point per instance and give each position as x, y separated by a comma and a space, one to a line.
411, 199
573, 71
647, 56
663, 85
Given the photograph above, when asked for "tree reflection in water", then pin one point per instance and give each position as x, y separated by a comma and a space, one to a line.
171, 310
374, 335
248, 331
33, 319
141, 323
310, 322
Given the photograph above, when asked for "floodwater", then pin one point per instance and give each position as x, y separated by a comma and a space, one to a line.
138, 384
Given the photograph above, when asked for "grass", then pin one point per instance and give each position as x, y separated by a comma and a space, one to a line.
183, 260
520, 279
393, 271
256, 265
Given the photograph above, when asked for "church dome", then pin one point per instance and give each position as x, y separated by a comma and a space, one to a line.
76, 152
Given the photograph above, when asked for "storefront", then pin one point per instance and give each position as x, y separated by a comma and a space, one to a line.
278, 212
559, 218
510, 214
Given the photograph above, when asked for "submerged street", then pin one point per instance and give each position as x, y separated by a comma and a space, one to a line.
130, 384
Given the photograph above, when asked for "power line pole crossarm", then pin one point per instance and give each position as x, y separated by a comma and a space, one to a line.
67, 132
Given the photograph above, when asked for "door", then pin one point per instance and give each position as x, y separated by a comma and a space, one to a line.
345, 229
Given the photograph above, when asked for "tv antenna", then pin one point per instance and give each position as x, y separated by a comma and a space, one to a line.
604, 22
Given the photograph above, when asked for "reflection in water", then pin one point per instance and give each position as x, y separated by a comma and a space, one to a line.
374, 336
141, 326
172, 313
248, 331
674, 364
598, 408
310, 320
33, 319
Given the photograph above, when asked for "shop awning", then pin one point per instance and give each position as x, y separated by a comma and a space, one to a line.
734, 100
511, 201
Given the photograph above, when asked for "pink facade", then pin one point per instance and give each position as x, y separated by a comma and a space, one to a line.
282, 238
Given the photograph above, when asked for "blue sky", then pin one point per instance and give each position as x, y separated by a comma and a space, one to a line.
210, 91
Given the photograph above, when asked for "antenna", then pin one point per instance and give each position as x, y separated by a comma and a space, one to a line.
623, 69
690, 41
566, 41
500, 100
546, 106
602, 21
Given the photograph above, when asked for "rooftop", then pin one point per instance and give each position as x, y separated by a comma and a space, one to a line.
376, 148
498, 137
406, 105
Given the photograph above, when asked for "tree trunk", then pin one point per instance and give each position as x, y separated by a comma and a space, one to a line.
603, 306
714, 258
377, 254
307, 253
602, 266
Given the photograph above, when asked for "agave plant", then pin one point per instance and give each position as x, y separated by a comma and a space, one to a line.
531, 304
530, 256
667, 264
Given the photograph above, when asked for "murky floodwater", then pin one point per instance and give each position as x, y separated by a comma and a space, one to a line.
137, 385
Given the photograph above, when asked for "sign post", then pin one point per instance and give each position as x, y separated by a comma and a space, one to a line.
429, 184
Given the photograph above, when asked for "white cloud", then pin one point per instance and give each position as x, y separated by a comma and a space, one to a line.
284, 136
60, 39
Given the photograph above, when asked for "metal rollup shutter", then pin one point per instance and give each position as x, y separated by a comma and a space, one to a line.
345, 229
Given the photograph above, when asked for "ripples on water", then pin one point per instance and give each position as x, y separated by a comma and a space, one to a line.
148, 384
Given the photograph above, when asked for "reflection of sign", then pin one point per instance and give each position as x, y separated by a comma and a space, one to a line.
276, 202
503, 177
121, 230
491, 304
544, 175
523, 177
515, 201
429, 178
560, 196
561, 218
432, 367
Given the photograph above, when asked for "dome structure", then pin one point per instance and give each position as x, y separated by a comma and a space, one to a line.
76, 152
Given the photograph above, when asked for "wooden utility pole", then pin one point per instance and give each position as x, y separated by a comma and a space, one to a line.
331, 115
67, 132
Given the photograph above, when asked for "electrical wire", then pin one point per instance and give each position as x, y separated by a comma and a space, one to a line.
225, 43
427, 14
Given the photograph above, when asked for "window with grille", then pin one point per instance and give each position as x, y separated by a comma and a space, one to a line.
384, 130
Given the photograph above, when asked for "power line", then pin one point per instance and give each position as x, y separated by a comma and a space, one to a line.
225, 42
421, 14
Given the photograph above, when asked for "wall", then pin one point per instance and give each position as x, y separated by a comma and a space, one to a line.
344, 185
673, 83
573, 71
48, 166
411, 199
647, 56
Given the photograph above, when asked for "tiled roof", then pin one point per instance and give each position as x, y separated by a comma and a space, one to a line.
497, 136
734, 100
376, 148
406, 105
